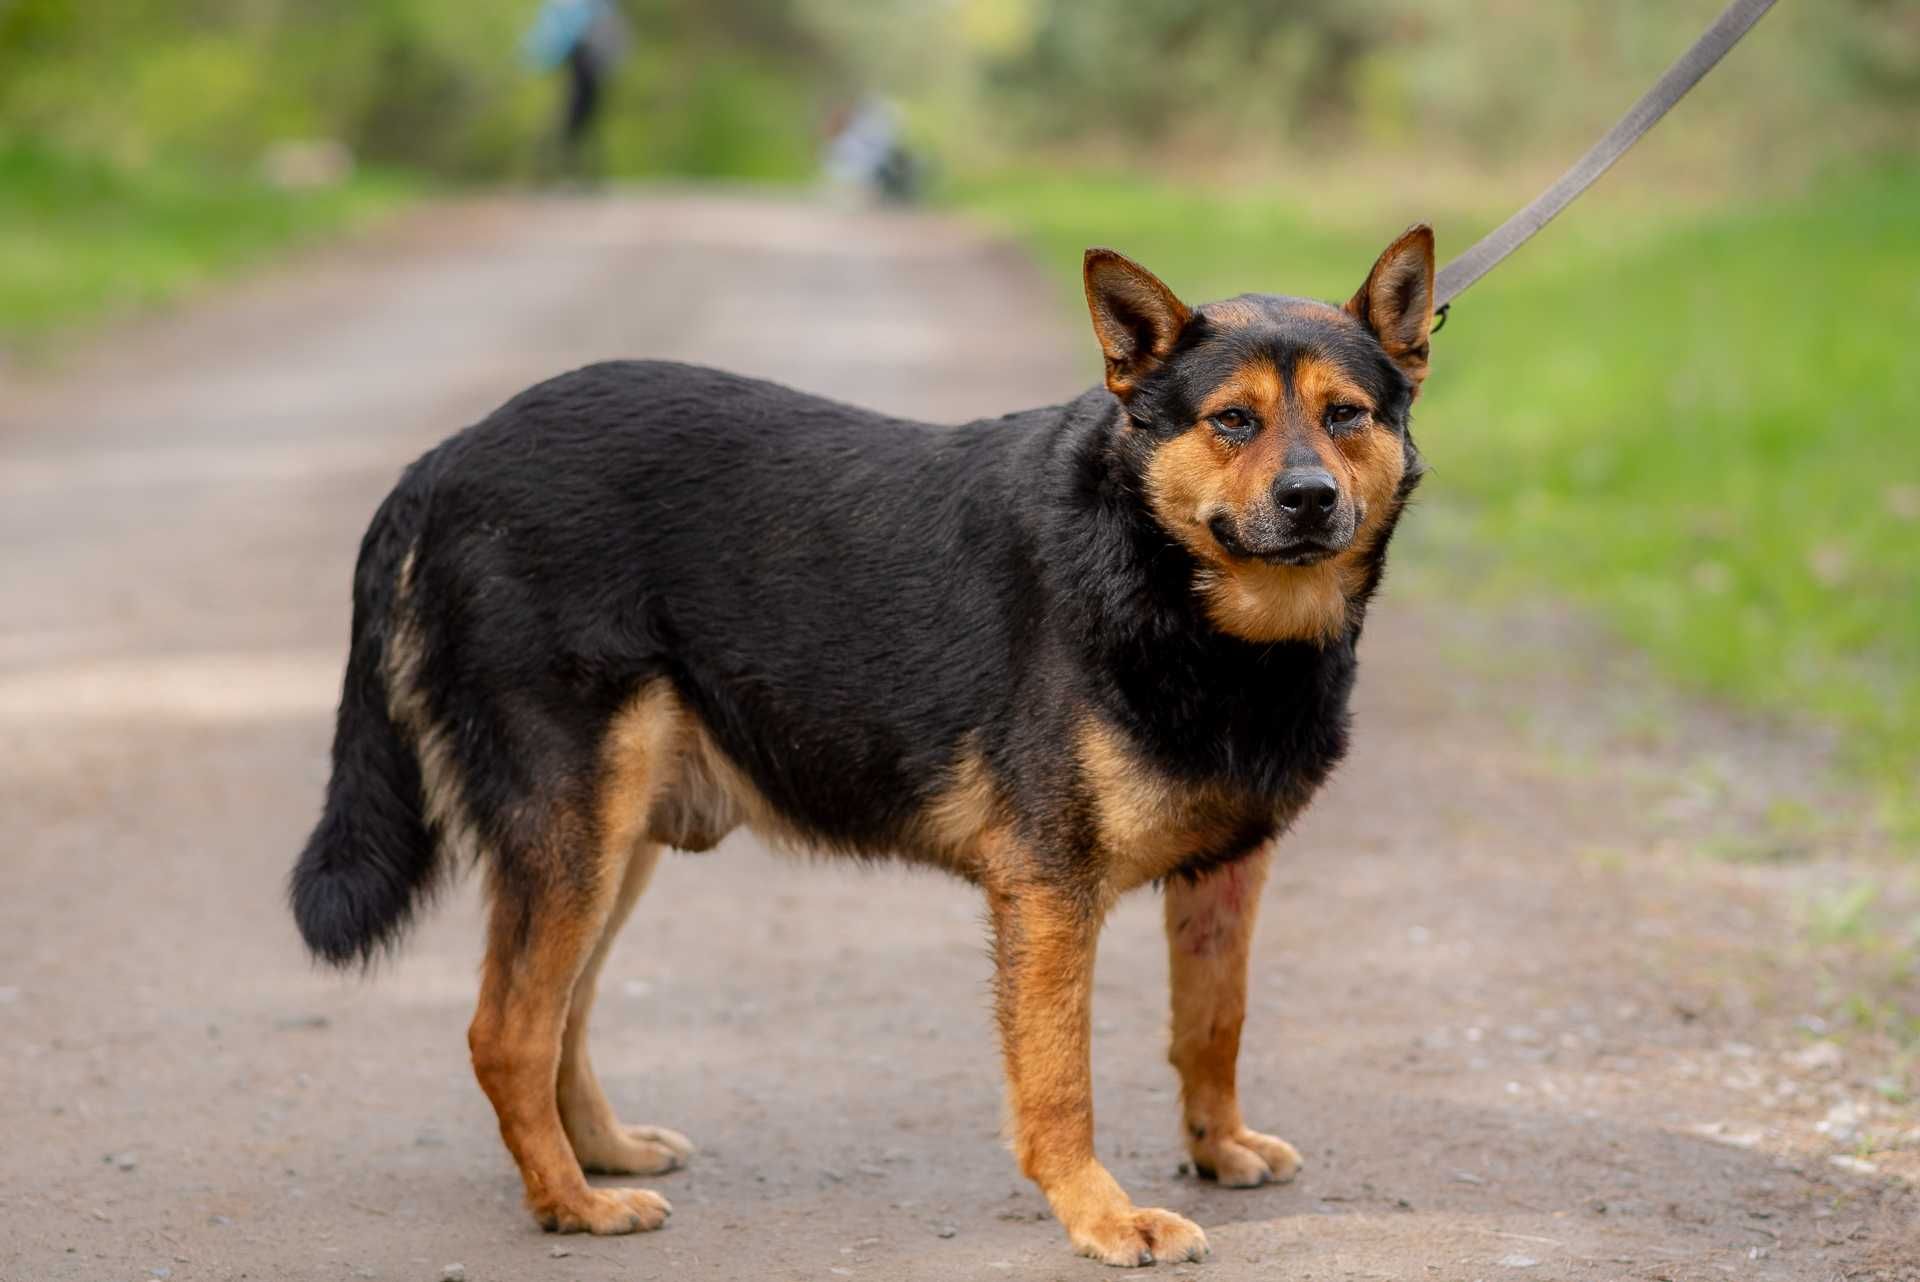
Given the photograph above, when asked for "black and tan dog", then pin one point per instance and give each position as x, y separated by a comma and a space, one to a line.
1063, 654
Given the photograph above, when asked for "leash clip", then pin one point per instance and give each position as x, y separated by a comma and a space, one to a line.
1439, 319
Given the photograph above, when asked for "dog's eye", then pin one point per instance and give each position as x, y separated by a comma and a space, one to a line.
1234, 424
1344, 415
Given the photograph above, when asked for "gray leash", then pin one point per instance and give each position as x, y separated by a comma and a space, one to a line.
1734, 22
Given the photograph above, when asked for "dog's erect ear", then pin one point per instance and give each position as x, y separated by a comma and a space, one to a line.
1396, 303
1136, 318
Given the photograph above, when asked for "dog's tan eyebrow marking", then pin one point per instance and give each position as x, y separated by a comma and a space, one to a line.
1255, 386
1320, 382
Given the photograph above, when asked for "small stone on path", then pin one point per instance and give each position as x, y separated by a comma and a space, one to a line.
1822, 1056
1842, 1123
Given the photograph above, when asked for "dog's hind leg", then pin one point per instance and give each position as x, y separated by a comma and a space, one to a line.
598, 1138
1209, 929
545, 925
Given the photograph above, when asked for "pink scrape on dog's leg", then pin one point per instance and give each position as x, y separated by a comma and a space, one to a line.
1218, 900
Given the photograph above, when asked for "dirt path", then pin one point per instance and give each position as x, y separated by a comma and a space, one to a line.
1514, 1033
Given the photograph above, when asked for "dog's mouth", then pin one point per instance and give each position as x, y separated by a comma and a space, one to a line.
1295, 552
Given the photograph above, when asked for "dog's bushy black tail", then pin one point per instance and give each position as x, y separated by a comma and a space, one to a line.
372, 856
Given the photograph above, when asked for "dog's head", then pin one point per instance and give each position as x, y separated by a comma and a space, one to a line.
1272, 433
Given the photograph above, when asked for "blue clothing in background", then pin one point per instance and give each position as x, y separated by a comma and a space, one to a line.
559, 28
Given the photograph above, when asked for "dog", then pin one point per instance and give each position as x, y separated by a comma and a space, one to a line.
1062, 654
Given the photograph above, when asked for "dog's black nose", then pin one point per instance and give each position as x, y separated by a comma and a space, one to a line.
1307, 493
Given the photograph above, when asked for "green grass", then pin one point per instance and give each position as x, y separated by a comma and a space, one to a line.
82, 238
1703, 426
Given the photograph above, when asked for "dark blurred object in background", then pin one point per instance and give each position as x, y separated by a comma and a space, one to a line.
866, 152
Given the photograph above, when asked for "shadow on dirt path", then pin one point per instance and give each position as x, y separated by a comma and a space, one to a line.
1514, 1035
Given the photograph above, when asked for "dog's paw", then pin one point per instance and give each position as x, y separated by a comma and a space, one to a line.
634, 1150
607, 1211
1245, 1159
1142, 1236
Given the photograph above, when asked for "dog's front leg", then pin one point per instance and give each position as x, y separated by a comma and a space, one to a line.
1044, 938
1209, 929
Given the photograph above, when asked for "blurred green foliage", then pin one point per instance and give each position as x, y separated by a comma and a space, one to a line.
434, 85
1483, 81
81, 236
740, 87
132, 142
1699, 425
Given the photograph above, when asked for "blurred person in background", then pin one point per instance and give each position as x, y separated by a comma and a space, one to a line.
865, 152
589, 38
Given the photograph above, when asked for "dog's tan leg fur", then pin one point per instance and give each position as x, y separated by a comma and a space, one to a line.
599, 1139
1044, 943
1209, 929
635, 761
538, 942
549, 934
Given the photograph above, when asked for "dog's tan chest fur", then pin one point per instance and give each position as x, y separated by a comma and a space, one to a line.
1149, 823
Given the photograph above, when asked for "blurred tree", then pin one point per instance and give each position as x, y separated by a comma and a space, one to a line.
1155, 68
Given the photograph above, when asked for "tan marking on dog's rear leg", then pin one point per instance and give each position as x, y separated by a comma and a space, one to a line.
1044, 946
1209, 930
599, 1139
538, 940
637, 754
